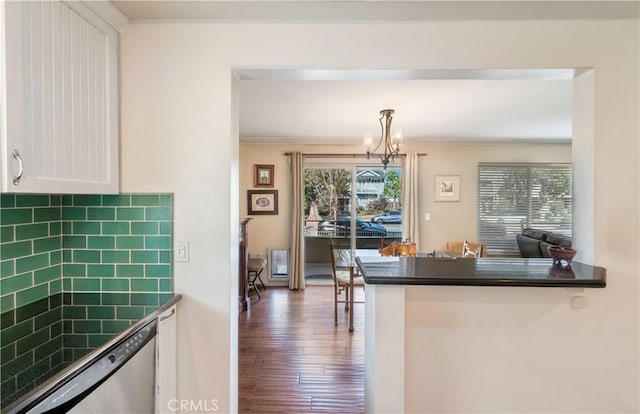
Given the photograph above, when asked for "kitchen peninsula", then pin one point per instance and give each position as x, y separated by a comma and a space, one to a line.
418, 306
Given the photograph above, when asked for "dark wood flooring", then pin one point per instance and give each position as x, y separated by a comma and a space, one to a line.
293, 359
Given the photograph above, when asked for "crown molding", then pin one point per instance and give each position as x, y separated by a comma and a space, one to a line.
109, 13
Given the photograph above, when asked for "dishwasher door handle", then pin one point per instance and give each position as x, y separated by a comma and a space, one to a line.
162, 318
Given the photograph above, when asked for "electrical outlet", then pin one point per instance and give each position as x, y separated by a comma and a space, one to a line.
427, 216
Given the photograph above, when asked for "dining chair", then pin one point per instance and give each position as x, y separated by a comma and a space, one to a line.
341, 279
254, 270
466, 249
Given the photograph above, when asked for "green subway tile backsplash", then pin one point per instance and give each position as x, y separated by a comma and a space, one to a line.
115, 256
7, 200
101, 242
32, 231
101, 312
144, 256
47, 214
144, 227
47, 244
57, 243
162, 271
17, 216
129, 270
165, 285
119, 200
55, 228
35, 200
101, 270
145, 200
27, 264
165, 256
74, 270
115, 285
7, 302
7, 268
86, 256
87, 200
130, 242
158, 213
16, 283
157, 242
130, 213
7, 234
55, 287
144, 285
17, 249
74, 242
47, 274
116, 227
113, 250
32, 294
86, 285
86, 227
101, 213
74, 213
166, 228
55, 257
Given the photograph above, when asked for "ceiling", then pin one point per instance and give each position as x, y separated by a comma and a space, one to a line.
431, 106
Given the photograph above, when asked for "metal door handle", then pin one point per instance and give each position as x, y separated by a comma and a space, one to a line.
16, 179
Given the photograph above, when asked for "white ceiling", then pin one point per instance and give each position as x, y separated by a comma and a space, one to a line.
440, 106
466, 109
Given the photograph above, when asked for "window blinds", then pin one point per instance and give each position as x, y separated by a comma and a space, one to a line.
512, 197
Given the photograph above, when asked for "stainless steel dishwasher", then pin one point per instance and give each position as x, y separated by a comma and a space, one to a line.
118, 379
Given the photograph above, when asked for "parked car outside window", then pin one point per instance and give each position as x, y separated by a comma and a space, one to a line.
388, 217
342, 226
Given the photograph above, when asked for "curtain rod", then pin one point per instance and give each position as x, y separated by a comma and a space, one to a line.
346, 155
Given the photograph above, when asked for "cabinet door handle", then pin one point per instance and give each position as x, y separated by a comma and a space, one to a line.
16, 179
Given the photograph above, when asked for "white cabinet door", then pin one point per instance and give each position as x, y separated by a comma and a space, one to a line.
58, 107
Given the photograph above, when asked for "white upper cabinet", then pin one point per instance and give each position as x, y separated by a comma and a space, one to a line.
59, 99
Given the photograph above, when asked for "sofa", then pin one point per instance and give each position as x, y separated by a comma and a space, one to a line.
534, 243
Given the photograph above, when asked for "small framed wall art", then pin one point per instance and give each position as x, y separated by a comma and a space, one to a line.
262, 202
447, 187
263, 175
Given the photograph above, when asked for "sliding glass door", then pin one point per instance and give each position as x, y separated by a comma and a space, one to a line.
355, 207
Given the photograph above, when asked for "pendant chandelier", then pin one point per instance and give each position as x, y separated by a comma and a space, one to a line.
390, 147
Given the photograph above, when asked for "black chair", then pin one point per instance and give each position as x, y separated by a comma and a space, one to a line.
255, 266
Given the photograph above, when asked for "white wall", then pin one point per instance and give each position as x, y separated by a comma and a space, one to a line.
178, 136
449, 221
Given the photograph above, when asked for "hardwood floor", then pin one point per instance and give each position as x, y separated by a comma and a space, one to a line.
293, 359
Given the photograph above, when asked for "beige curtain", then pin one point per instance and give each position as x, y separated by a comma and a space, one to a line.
296, 260
410, 217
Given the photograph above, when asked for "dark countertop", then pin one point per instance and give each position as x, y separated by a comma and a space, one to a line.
478, 272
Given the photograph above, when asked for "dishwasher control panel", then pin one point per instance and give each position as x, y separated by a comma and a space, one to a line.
125, 350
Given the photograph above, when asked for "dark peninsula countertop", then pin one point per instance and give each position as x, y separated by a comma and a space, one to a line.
478, 272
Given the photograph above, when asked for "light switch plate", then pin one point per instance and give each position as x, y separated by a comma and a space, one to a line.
182, 252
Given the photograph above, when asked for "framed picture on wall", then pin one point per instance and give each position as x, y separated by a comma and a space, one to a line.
447, 187
263, 175
262, 202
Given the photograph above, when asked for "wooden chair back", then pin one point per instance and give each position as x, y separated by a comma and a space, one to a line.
457, 248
